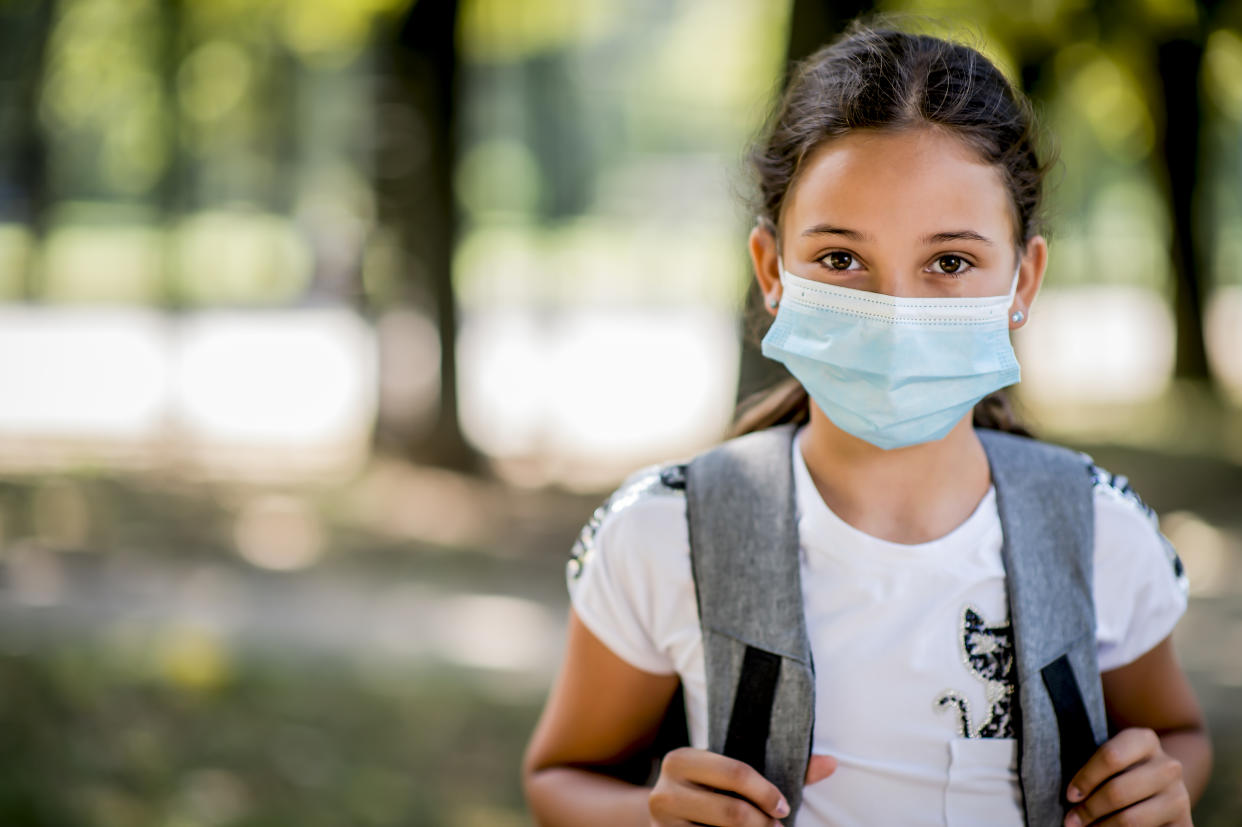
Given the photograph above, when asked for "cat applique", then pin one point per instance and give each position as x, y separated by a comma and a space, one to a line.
987, 652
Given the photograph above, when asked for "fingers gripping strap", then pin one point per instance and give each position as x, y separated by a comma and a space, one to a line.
1074, 727
751, 718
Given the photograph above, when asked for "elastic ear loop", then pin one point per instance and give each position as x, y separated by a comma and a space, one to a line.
1017, 315
780, 276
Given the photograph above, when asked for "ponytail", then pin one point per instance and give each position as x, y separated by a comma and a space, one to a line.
786, 401
996, 411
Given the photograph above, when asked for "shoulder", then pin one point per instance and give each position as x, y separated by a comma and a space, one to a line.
628, 574
649, 503
646, 514
1115, 489
1140, 586
1128, 529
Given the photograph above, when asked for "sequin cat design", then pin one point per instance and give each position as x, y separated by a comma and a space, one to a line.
987, 652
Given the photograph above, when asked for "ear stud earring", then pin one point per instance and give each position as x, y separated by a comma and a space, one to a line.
773, 301
1017, 316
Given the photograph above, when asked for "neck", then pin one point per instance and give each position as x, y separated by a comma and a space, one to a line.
906, 495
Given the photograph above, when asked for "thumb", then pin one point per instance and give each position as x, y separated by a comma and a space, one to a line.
819, 768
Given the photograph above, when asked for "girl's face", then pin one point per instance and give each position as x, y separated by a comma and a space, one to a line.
910, 213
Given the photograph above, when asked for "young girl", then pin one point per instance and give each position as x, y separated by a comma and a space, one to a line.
897, 244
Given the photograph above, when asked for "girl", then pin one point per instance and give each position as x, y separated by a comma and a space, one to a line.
897, 244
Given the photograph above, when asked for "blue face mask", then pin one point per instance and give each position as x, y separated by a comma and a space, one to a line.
894, 371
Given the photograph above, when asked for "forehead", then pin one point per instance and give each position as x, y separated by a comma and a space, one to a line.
889, 183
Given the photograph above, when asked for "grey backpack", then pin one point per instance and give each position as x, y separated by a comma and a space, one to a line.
760, 674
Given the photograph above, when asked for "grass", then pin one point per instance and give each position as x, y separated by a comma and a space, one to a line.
93, 739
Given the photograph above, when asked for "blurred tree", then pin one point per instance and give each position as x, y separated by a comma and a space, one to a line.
171, 185
812, 23
1175, 35
559, 136
1179, 59
418, 113
24, 191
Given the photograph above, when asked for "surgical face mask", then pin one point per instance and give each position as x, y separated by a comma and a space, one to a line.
892, 370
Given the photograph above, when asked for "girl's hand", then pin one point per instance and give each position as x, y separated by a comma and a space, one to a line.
693, 784
1130, 781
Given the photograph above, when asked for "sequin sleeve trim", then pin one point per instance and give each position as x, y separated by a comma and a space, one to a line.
655, 480
1118, 487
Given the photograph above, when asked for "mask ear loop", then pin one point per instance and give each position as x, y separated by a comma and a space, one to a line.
775, 301
1017, 315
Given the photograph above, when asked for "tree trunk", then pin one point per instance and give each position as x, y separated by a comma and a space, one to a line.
415, 177
25, 177
1178, 63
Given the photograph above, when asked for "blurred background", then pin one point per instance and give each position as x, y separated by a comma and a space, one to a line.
325, 324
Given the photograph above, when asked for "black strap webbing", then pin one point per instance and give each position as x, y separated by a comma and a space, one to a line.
1077, 740
751, 718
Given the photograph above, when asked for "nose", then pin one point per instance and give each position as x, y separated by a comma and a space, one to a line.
892, 281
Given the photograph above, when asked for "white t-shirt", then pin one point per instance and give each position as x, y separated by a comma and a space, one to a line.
912, 643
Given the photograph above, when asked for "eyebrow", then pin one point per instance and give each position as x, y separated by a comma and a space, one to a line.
930, 238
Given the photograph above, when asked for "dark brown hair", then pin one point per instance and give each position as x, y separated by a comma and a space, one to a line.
876, 76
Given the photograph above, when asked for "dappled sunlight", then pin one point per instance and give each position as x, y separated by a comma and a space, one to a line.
409, 368
1207, 550
191, 657
479, 631
278, 531
1107, 95
428, 505
1101, 343
60, 515
117, 263
242, 393
495, 632
34, 575
82, 372
589, 392
272, 377
214, 796
1223, 334
228, 256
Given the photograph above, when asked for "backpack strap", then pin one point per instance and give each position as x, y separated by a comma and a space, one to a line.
745, 562
744, 556
1045, 499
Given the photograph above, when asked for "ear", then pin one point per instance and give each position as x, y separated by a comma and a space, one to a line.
763, 258
1030, 277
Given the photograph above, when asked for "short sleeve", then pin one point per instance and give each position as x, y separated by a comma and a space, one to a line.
619, 570
1140, 584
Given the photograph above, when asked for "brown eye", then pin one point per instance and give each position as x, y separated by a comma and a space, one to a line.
836, 258
955, 263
